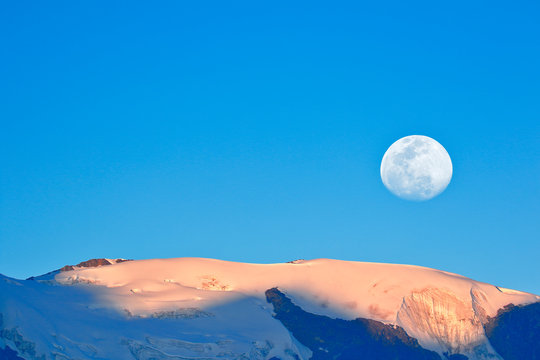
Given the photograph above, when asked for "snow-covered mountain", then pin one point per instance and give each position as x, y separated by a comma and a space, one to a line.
193, 308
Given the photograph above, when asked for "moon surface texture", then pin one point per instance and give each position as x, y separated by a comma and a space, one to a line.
416, 168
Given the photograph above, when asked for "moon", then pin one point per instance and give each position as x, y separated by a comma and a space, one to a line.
416, 168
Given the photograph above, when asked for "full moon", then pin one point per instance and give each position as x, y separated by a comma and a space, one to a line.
416, 168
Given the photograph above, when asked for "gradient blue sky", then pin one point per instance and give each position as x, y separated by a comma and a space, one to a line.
254, 132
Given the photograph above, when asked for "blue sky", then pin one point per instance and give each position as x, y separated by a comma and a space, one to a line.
254, 132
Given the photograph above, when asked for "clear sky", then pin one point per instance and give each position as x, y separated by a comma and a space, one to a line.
254, 132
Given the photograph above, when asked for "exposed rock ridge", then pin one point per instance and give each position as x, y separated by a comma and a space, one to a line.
49, 277
92, 263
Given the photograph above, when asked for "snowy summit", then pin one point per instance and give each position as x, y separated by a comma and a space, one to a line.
189, 308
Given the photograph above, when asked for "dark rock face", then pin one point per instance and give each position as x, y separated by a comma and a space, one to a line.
8, 354
515, 332
341, 339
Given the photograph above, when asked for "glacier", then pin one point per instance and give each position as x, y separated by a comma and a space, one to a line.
196, 308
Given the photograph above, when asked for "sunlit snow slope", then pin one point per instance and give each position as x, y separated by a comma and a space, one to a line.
189, 308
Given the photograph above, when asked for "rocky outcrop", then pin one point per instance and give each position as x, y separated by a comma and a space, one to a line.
85, 264
92, 263
341, 339
23, 346
515, 332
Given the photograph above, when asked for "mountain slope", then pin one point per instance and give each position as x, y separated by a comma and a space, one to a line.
341, 339
203, 308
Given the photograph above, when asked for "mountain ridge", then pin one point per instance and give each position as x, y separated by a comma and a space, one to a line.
444, 312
